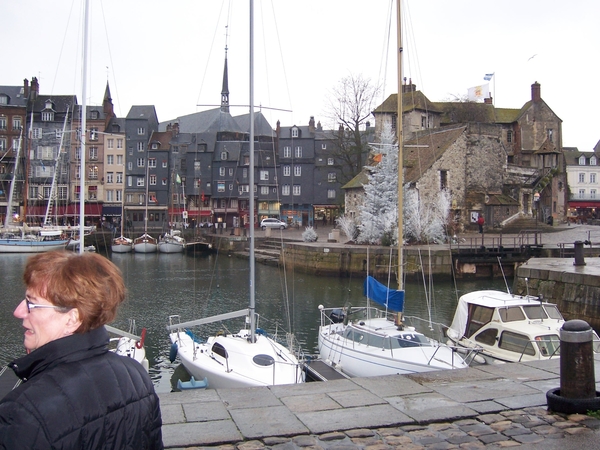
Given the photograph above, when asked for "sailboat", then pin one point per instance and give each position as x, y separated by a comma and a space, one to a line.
145, 243
249, 357
23, 239
122, 244
172, 241
370, 341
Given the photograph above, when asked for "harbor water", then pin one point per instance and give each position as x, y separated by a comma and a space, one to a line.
162, 285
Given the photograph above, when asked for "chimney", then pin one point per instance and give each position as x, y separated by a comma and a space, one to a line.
35, 87
488, 101
26, 88
278, 129
311, 124
536, 92
319, 127
175, 129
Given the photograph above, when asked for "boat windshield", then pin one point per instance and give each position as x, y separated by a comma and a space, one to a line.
553, 312
535, 312
549, 344
511, 314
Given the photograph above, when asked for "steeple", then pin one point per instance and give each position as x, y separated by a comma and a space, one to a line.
225, 89
107, 104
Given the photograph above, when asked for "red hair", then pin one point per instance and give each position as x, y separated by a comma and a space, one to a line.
89, 282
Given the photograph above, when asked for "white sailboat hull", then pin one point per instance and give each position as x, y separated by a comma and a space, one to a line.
370, 355
169, 247
30, 246
263, 363
145, 244
126, 346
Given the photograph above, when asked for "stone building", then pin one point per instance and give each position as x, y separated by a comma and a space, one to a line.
492, 160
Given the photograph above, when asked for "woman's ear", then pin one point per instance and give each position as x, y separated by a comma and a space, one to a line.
73, 321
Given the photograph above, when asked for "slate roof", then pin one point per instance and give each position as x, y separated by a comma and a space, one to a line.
61, 102
358, 181
16, 96
410, 101
572, 156
141, 112
417, 160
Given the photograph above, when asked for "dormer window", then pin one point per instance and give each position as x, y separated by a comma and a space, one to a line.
582, 160
47, 116
295, 132
49, 104
593, 161
95, 115
3, 99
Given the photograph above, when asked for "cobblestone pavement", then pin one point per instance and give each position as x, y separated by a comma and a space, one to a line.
518, 428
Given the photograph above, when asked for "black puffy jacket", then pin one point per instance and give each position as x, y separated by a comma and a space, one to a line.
78, 395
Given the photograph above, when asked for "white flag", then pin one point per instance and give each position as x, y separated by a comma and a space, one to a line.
479, 92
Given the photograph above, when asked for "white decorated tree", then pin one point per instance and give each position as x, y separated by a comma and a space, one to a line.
379, 213
424, 219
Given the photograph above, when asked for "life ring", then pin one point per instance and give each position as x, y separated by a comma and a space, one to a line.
140, 344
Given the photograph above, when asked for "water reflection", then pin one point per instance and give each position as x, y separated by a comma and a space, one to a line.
160, 285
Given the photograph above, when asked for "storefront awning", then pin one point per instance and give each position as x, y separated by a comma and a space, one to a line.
588, 204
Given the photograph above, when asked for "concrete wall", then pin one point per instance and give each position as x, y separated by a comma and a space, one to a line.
575, 289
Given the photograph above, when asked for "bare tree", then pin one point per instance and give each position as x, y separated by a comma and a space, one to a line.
349, 108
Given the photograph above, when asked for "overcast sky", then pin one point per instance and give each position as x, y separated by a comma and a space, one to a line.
170, 54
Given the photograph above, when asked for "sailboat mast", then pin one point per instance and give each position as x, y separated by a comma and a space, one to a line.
251, 190
83, 134
399, 136
9, 206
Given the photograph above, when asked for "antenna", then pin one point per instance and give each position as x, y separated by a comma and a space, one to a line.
503, 275
527, 286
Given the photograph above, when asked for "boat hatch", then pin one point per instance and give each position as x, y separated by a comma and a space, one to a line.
219, 350
263, 360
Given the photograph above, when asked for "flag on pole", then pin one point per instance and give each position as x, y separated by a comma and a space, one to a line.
489, 76
479, 92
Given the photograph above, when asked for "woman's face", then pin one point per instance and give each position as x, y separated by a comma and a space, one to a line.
43, 325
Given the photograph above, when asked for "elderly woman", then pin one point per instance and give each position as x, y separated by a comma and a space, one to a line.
75, 392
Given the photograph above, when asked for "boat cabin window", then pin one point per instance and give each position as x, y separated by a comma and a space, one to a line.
535, 312
549, 345
515, 342
553, 312
487, 337
478, 317
219, 350
263, 360
411, 340
511, 314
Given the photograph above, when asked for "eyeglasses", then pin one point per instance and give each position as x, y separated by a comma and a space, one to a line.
31, 306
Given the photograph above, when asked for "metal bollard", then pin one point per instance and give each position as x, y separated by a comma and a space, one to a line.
577, 379
579, 259
577, 392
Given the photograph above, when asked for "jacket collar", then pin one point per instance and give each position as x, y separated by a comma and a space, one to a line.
71, 348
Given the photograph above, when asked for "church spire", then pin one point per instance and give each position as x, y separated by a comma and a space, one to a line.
225, 89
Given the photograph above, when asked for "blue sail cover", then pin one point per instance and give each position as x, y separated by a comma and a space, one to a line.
391, 298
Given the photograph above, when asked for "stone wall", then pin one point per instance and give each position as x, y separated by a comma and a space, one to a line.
574, 289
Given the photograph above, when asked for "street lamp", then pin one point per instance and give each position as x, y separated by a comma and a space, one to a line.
536, 201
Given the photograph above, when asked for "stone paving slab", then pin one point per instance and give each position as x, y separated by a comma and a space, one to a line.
198, 433
314, 388
431, 407
482, 390
392, 385
523, 401
255, 423
248, 397
520, 373
362, 397
348, 418
310, 402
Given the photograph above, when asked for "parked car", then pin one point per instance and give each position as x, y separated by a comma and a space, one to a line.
273, 223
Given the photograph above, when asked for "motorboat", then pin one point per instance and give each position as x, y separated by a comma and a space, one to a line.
503, 327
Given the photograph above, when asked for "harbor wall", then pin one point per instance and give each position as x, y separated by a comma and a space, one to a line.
574, 289
354, 260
